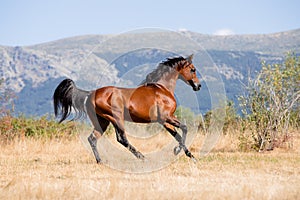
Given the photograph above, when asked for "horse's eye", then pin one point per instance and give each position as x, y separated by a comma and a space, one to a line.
193, 70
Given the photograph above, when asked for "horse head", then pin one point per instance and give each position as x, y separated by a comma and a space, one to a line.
187, 73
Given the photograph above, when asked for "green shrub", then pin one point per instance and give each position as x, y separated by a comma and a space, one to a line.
43, 127
271, 104
231, 121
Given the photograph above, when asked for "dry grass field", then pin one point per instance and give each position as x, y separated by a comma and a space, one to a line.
54, 169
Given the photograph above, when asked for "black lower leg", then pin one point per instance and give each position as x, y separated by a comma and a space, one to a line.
137, 154
93, 142
184, 133
174, 133
122, 139
187, 152
181, 141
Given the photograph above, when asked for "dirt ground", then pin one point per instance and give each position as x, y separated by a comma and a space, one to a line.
53, 169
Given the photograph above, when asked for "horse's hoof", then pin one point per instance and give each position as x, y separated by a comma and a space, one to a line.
177, 150
194, 159
140, 156
99, 162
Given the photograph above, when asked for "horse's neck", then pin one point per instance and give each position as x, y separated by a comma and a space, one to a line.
169, 80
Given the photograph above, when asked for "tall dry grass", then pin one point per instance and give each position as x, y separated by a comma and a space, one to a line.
65, 169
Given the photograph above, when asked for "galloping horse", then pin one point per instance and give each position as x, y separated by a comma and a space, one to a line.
152, 101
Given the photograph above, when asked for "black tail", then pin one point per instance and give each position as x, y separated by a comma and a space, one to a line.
68, 96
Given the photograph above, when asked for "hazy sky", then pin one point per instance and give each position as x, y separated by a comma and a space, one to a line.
27, 22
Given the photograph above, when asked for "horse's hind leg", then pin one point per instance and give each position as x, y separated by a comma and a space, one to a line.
122, 139
93, 142
100, 125
99, 128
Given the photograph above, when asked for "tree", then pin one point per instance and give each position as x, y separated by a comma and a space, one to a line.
271, 99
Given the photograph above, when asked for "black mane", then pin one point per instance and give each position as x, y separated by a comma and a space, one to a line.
163, 67
172, 61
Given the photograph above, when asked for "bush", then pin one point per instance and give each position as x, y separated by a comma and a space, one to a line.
19, 127
230, 122
43, 127
271, 104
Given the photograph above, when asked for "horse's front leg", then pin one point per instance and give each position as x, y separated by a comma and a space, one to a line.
186, 151
170, 125
171, 129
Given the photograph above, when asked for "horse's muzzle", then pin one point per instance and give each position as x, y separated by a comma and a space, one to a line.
197, 87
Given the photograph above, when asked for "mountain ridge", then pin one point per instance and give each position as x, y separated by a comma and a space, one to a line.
210, 42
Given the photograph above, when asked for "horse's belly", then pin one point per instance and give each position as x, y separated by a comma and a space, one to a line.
143, 115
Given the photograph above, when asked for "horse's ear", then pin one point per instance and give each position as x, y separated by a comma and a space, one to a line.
190, 58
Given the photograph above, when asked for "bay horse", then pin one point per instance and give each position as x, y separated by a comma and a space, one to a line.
152, 101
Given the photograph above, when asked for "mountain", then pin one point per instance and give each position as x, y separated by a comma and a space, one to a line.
93, 61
